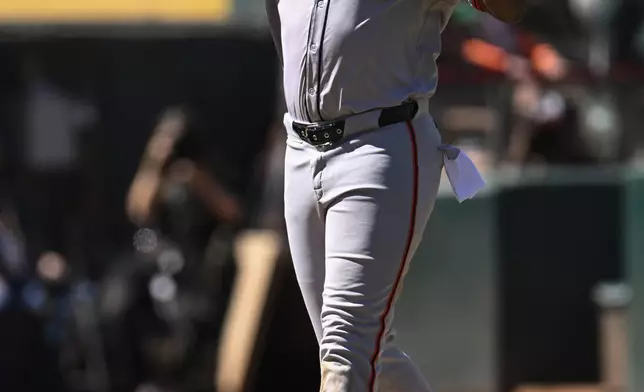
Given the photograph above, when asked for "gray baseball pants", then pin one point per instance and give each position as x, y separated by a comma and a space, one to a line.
355, 214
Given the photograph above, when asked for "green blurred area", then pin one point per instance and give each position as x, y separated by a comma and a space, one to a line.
464, 14
634, 253
512, 272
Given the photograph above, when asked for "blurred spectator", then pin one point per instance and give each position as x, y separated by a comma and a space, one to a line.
174, 189
178, 205
177, 199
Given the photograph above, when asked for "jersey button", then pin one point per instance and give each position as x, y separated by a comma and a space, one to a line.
314, 48
311, 91
321, 4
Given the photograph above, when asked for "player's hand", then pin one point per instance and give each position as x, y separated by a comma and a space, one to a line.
509, 11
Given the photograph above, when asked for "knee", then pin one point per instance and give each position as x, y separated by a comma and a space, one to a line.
351, 325
349, 338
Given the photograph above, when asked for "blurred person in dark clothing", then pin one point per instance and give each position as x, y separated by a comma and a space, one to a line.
177, 199
174, 189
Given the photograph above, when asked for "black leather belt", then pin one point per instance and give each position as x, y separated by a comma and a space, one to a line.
333, 131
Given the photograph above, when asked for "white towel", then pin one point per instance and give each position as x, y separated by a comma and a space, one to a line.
463, 176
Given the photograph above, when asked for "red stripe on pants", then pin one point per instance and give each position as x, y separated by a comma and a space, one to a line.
403, 262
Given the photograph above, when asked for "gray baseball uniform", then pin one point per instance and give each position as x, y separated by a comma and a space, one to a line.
362, 171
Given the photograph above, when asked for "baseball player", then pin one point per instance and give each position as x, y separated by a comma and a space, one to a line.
362, 168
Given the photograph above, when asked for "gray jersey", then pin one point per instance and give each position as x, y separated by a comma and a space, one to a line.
342, 57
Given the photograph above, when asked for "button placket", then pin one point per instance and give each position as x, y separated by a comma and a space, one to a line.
307, 84
313, 55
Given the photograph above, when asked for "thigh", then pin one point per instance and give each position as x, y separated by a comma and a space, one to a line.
379, 192
304, 227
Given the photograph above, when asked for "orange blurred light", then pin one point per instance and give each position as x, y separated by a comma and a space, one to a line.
485, 55
547, 61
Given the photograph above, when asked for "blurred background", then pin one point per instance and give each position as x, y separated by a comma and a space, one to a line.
142, 247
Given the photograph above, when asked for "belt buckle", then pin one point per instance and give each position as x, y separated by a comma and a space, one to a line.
302, 130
